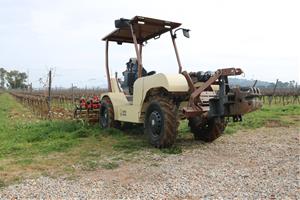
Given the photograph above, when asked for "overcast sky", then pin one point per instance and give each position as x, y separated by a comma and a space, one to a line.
260, 36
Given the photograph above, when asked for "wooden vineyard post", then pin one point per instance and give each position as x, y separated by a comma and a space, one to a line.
295, 95
49, 94
273, 93
254, 84
73, 102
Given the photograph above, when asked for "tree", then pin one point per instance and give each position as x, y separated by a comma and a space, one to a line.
16, 79
292, 84
2, 77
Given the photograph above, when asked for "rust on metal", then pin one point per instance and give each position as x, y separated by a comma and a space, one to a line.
194, 98
141, 52
189, 81
107, 67
176, 52
245, 101
211, 80
195, 101
141, 60
191, 111
230, 71
137, 51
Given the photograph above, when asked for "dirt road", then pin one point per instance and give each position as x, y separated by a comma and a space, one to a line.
262, 163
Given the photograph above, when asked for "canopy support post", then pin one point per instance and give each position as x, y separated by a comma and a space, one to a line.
176, 52
138, 52
107, 67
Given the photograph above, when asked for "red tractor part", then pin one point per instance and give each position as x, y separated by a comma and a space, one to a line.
88, 109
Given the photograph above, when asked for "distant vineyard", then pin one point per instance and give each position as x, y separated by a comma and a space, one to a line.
281, 91
69, 94
37, 104
60, 105
62, 102
280, 96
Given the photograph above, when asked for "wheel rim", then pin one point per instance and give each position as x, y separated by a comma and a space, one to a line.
155, 123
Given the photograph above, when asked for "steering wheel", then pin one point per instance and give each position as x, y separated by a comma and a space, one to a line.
151, 73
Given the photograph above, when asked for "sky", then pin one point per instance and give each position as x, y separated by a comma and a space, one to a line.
260, 36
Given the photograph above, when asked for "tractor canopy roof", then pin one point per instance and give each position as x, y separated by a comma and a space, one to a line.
145, 28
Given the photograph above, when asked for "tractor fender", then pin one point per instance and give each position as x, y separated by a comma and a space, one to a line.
171, 83
117, 99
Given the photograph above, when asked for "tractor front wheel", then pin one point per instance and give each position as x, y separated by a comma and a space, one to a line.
161, 122
106, 118
208, 131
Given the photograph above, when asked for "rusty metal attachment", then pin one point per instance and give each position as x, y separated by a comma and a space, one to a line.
229, 102
194, 106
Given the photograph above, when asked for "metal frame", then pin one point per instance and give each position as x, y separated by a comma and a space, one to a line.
107, 66
176, 51
193, 107
138, 49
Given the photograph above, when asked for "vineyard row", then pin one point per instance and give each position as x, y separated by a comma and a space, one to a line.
58, 107
62, 106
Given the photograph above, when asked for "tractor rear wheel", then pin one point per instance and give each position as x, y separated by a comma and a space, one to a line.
161, 122
208, 131
106, 115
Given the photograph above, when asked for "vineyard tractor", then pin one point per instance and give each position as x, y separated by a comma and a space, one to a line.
158, 101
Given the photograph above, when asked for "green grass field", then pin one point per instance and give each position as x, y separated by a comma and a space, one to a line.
30, 147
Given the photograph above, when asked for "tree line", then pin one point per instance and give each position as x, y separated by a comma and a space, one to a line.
291, 84
12, 79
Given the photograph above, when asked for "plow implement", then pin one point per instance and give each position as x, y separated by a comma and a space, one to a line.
88, 109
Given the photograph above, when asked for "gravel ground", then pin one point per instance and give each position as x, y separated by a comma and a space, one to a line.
263, 163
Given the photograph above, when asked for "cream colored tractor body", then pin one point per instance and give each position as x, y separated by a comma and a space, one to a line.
159, 101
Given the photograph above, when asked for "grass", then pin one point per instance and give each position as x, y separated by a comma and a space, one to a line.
110, 165
172, 150
270, 116
2, 184
30, 139
31, 147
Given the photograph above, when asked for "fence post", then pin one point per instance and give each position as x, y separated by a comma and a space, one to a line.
295, 93
254, 84
49, 93
274, 90
73, 101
